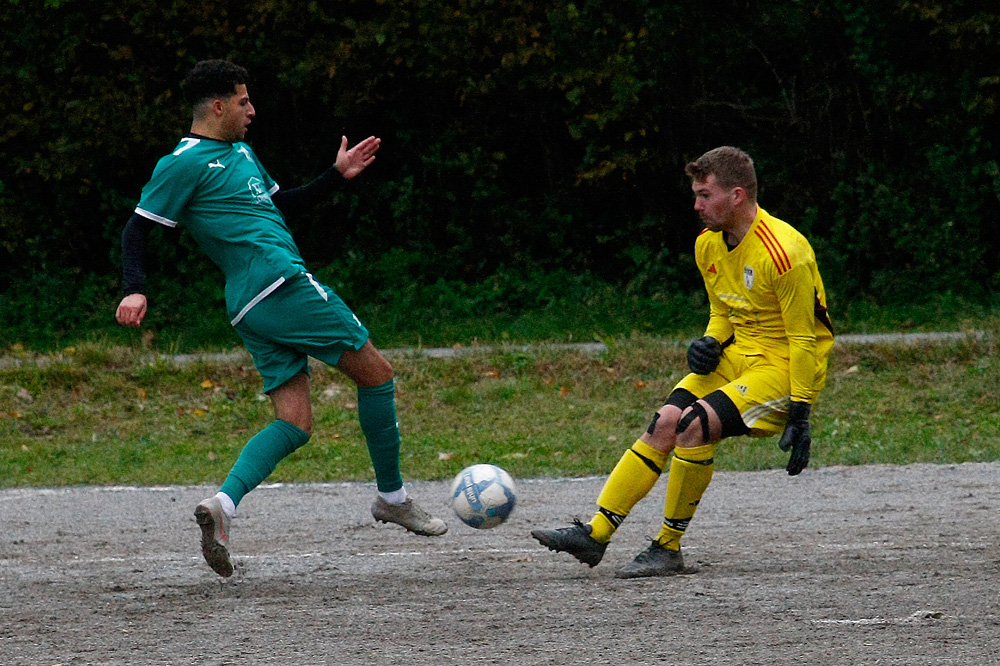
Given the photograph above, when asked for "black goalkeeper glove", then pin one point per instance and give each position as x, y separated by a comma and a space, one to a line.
796, 437
703, 355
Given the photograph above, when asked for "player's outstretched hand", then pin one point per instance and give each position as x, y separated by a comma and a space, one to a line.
703, 355
796, 437
352, 162
132, 310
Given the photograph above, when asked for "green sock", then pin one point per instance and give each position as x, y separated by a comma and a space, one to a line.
377, 414
261, 455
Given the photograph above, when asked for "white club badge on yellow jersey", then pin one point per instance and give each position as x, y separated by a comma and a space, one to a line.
748, 277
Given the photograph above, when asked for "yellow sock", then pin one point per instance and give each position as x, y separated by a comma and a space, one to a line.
632, 478
690, 473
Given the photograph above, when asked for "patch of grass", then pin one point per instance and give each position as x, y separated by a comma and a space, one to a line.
108, 415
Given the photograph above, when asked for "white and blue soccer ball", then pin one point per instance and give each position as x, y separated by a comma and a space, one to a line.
483, 496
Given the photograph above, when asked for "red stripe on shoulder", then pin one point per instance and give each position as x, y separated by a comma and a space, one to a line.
703, 231
778, 246
770, 251
778, 253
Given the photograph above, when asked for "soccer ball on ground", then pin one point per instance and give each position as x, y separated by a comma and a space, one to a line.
483, 496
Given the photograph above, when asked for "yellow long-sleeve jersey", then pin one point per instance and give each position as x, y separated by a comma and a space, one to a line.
768, 293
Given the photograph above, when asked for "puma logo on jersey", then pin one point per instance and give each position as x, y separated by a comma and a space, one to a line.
216, 165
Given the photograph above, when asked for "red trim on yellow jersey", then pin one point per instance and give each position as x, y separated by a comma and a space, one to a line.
774, 248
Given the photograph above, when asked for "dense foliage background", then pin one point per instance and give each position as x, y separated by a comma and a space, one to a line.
529, 148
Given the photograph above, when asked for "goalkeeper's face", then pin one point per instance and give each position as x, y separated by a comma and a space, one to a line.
237, 114
715, 205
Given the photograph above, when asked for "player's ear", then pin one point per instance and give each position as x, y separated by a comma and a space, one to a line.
739, 195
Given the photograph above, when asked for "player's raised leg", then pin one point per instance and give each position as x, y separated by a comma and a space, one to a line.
377, 414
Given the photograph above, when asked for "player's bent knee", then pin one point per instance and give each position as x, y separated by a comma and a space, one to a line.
664, 422
652, 424
695, 412
303, 423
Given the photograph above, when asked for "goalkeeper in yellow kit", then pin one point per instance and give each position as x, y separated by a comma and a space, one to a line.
758, 369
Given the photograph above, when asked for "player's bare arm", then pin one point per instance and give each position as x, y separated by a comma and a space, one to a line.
352, 162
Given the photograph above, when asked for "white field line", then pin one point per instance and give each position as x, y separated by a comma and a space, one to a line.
276, 556
918, 616
19, 493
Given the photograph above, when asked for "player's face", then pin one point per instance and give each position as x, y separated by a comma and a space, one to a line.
237, 114
715, 205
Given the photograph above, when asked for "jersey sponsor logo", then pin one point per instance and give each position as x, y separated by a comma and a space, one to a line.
774, 248
748, 277
257, 190
216, 165
736, 302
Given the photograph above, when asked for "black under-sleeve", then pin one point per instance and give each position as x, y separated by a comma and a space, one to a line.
133, 245
290, 202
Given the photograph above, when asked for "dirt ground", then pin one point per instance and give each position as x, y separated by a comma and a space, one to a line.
865, 565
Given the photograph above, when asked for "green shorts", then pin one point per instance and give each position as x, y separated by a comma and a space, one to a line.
301, 318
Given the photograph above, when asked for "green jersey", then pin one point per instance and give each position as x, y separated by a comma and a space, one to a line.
221, 193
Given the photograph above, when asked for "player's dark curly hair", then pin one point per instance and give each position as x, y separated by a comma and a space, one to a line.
210, 79
731, 167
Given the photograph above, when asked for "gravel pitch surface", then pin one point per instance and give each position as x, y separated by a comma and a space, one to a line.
842, 565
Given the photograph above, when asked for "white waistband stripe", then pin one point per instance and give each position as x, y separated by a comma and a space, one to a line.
257, 299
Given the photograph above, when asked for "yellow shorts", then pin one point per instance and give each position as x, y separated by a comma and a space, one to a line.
759, 386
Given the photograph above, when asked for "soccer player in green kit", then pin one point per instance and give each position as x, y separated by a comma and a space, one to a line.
214, 185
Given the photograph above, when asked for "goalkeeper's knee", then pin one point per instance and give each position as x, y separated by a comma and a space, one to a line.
696, 412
